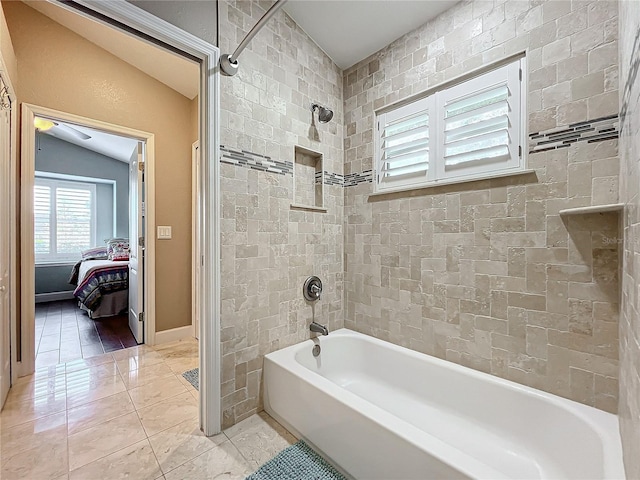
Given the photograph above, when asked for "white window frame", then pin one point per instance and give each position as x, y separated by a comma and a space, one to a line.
434, 101
53, 257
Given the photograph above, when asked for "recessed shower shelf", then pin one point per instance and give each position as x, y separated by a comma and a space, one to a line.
297, 206
611, 207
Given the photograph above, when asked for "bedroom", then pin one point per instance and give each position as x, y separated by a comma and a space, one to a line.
81, 204
111, 81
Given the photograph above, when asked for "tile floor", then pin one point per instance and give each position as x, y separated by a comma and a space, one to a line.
65, 333
126, 414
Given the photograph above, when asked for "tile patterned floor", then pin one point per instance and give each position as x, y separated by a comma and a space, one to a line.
126, 414
65, 333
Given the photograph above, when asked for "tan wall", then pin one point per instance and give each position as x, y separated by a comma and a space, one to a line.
8, 53
58, 69
488, 274
630, 194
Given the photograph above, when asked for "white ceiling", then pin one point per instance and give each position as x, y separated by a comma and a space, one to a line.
119, 148
174, 71
351, 30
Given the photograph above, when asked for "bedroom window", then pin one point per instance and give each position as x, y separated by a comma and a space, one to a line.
65, 219
470, 130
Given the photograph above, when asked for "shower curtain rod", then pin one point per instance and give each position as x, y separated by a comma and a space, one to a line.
229, 63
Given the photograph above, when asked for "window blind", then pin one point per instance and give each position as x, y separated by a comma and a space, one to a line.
64, 219
472, 129
404, 144
42, 219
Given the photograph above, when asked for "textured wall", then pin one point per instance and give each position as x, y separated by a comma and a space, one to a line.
487, 274
93, 83
268, 249
630, 195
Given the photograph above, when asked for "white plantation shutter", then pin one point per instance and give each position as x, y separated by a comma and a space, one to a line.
471, 130
404, 144
42, 219
479, 128
65, 219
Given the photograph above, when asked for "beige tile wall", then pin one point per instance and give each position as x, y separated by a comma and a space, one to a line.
630, 195
487, 274
267, 248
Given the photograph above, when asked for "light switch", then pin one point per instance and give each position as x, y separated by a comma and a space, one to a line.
164, 232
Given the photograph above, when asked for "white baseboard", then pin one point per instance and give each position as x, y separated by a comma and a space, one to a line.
174, 334
54, 296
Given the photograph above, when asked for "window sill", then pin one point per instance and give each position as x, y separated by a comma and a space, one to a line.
69, 263
453, 181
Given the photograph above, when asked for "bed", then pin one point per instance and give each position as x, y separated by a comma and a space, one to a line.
102, 287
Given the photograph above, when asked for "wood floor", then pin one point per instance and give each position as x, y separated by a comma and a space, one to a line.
65, 333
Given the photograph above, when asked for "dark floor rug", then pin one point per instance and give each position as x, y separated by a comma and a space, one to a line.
297, 462
193, 377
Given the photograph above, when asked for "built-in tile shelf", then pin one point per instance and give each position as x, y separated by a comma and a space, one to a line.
296, 206
611, 207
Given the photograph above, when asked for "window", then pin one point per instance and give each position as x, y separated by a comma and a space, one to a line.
64, 219
468, 131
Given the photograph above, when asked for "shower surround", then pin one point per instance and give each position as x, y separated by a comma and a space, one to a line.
486, 274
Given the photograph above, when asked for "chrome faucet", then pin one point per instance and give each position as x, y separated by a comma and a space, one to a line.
317, 328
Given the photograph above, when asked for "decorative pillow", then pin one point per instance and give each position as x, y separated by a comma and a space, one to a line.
118, 249
96, 253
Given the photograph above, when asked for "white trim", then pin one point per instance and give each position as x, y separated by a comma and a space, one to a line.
210, 351
54, 296
174, 334
196, 251
29, 112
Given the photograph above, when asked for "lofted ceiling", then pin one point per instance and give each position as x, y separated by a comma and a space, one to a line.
174, 71
113, 146
351, 30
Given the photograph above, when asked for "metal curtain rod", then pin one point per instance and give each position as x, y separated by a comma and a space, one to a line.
229, 63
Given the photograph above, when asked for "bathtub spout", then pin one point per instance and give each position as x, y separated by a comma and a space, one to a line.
317, 328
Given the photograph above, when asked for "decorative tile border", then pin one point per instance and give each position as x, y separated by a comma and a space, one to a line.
354, 179
330, 178
596, 130
255, 161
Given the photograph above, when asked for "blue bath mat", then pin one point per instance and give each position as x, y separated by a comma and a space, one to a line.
297, 462
193, 377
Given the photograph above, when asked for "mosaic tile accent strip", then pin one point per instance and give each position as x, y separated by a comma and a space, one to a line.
354, 179
596, 130
330, 178
255, 161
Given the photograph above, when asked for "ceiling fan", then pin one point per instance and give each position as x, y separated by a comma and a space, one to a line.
49, 126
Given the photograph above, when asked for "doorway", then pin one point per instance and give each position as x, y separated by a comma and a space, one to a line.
89, 241
134, 21
99, 242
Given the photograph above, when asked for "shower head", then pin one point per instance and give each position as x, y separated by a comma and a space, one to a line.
324, 114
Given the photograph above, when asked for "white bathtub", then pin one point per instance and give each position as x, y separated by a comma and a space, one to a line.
380, 411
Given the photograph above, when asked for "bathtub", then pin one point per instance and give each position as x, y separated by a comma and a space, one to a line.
380, 411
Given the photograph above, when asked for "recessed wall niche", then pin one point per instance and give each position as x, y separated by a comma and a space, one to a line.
308, 180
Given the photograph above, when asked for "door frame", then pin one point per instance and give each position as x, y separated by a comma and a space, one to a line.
27, 259
13, 294
135, 21
196, 248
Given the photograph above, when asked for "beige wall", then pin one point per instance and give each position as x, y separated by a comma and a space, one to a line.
8, 53
269, 249
58, 69
630, 195
487, 274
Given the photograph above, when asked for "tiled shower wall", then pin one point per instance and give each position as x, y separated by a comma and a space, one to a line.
488, 274
630, 195
269, 249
